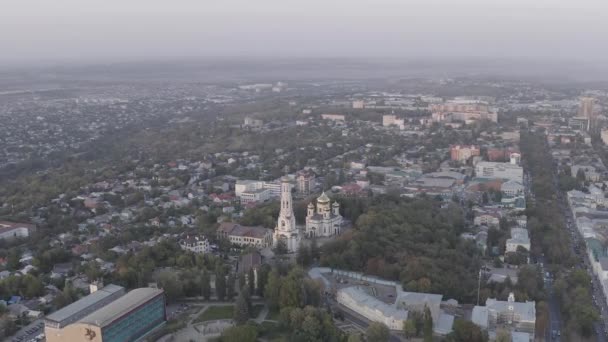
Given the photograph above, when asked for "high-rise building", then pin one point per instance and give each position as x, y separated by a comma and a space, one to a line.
586, 108
286, 229
604, 136
305, 182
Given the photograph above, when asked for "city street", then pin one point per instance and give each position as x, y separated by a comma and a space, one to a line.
577, 244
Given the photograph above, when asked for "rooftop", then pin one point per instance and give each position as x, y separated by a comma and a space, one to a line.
119, 308
526, 310
413, 298
83, 303
236, 229
6, 226
364, 299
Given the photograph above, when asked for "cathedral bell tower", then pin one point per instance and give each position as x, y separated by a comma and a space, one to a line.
286, 229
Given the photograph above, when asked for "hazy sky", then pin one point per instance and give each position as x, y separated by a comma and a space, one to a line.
95, 30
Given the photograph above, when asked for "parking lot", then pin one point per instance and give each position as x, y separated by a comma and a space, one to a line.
32, 332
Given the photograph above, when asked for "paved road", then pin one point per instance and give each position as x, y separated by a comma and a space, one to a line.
555, 319
578, 246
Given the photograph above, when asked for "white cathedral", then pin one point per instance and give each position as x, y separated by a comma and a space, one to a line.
327, 221
286, 229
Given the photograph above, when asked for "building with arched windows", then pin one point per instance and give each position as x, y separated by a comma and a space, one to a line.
286, 229
326, 220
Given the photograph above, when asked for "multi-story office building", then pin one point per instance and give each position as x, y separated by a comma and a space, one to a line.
59, 319
135, 315
305, 182
507, 171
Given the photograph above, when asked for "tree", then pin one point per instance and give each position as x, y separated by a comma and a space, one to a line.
33, 286
242, 280
230, 286
251, 280
580, 176
377, 332
241, 310
311, 328
272, 291
409, 328
314, 249
354, 337
220, 284
281, 247
168, 281
206, 285
290, 293
303, 255
466, 331
242, 333
428, 325
263, 273
503, 335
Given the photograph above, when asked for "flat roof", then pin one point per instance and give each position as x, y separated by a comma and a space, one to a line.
364, 299
119, 308
6, 226
413, 298
83, 303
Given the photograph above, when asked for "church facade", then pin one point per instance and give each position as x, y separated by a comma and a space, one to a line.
326, 220
286, 229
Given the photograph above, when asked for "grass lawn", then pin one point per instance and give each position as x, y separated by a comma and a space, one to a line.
216, 312
256, 309
270, 331
273, 315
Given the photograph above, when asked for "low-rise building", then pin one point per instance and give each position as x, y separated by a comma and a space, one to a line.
333, 117
255, 196
507, 171
512, 188
371, 308
13, 230
519, 238
487, 218
509, 315
392, 310
463, 153
392, 120
195, 244
244, 235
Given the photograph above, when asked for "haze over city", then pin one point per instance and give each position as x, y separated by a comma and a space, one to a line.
306, 171
113, 30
